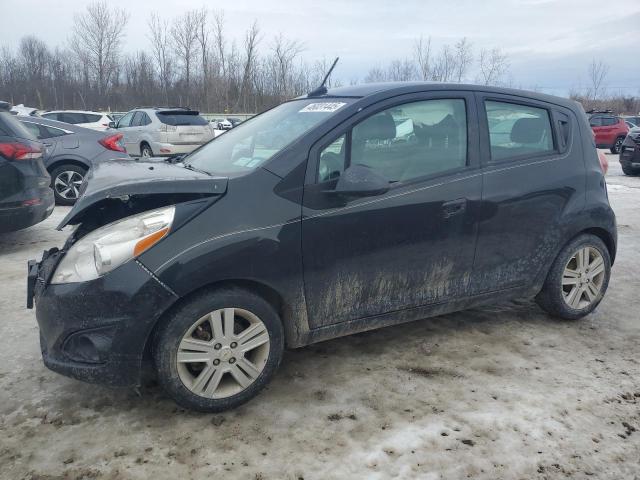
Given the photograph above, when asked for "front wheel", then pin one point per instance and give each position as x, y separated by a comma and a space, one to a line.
218, 350
617, 145
630, 171
578, 279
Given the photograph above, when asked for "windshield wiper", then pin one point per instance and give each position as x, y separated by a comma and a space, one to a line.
188, 166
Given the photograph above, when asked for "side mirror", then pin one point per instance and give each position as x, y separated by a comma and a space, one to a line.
113, 125
360, 181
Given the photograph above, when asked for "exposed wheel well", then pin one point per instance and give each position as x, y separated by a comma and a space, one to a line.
61, 162
266, 292
606, 237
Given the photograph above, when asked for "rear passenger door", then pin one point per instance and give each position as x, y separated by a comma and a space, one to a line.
411, 246
533, 176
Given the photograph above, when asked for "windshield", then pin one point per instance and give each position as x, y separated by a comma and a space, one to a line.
255, 141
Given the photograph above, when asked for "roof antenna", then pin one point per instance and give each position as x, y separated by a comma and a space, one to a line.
322, 89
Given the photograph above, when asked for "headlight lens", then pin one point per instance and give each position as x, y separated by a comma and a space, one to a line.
110, 246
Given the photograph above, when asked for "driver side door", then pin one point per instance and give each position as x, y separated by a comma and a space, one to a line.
411, 246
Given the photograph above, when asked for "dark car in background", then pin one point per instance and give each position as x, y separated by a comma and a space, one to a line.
609, 130
72, 150
630, 153
25, 195
382, 204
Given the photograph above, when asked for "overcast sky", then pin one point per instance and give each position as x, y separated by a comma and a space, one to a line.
549, 42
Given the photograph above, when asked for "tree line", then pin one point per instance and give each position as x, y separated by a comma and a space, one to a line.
191, 60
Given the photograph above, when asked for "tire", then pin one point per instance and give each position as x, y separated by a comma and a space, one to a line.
557, 295
617, 145
145, 150
629, 171
66, 181
189, 332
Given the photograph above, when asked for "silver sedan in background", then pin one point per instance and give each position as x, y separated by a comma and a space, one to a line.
71, 151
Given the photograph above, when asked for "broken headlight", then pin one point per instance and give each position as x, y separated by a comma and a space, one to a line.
110, 246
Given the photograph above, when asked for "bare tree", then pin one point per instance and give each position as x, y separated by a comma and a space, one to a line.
422, 52
250, 47
97, 34
445, 65
184, 33
598, 72
401, 71
203, 36
463, 59
493, 65
160, 39
285, 52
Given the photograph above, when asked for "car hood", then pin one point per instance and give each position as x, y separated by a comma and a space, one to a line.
130, 186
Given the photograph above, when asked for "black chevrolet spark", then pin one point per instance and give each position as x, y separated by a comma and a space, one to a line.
334, 213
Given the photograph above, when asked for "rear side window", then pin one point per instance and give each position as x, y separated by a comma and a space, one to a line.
608, 121
518, 130
181, 118
91, 118
11, 127
137, 118
595, 121
50, 116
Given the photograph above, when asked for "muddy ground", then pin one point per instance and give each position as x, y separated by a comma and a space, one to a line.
492, 393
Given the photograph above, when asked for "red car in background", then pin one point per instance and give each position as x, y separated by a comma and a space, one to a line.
609, 130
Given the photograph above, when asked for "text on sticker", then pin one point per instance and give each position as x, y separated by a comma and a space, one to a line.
323, 107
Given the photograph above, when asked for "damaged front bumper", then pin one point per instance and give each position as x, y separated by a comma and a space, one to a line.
97, 331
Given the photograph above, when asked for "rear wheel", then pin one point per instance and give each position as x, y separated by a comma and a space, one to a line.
578, 279
617, 145
66, 181
218, 350
145, 150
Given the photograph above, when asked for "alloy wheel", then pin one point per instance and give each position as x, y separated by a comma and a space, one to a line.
583, 278
223, 353
618, 145
67, 184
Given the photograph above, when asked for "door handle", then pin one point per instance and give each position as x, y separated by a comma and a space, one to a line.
454, 207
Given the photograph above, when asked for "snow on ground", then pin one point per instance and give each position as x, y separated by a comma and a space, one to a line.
502, 392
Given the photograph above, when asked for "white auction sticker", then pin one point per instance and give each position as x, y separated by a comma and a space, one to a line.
323, 107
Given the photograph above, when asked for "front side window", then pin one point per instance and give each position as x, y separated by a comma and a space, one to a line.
595, 121
126, 120
404, 142
257, 140
518, 130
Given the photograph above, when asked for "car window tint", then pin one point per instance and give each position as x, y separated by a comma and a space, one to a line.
125, 121
92, 118
412, 140
608, 121
181, 118
595, 121
145, 119
52, 131
332, 160
50, 116
137, 118
33, 128
517, 130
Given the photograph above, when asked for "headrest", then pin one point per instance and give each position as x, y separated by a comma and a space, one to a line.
528, 130
378, 127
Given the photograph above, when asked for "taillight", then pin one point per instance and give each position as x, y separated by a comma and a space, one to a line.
113, 142
20, 151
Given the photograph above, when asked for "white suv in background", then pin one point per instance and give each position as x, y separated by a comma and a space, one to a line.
93, 120
163, 132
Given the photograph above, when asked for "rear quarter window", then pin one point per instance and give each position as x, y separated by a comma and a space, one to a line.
91, 118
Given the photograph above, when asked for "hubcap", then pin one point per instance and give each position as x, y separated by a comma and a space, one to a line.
583, 278
223, 353
146, 152
67, 184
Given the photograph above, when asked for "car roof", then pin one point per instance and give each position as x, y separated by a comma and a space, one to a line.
74, 111
69, 127
398, 88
